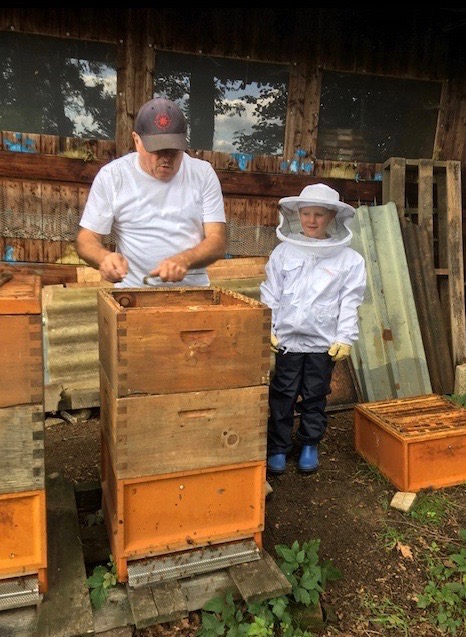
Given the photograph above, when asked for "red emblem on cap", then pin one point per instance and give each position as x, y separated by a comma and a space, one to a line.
162, 121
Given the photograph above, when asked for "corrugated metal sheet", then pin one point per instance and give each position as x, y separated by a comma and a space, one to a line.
389, 357
71, 352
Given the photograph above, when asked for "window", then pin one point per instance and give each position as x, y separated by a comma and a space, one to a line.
60, 87
371, 118
231, 105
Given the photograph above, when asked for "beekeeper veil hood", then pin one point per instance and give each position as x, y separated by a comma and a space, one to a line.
289, 227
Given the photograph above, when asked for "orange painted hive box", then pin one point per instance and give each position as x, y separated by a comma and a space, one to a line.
169, 340
166, 513
417, 442
23, 546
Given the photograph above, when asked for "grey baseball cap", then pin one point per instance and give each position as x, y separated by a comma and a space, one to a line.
160, 124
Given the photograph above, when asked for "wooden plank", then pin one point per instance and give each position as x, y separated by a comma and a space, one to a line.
202, 588
260, 579
115, 616
426, 197
242, 268
52, 222
48, 167
49, 144
50, 273
143, 607
32, 221
455, 262
68, 170
13, 202
295, 109
393, 188
19, 622
70, 214
66, 609
170, 601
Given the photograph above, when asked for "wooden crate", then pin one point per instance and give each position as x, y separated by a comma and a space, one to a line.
21, 356
22, 444
169, 340
23, 546
161, 514
417, 443
166, 433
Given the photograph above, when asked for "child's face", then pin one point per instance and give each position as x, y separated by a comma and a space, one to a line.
315, 221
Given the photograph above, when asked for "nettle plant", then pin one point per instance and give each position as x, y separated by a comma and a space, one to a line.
308, 578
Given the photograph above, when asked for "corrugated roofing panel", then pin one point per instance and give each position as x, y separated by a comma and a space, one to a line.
389, 358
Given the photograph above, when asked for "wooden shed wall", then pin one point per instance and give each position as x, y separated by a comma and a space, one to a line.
416, 43
408, 43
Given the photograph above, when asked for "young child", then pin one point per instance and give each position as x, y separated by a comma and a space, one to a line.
314, 285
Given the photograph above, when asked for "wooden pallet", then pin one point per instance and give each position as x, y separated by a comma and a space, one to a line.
428, 193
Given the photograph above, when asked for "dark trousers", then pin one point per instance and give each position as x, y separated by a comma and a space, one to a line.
305, 375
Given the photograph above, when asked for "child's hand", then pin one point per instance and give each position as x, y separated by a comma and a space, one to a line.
339, 351
273, 342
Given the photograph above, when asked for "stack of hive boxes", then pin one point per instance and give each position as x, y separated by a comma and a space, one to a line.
184, 403
22, 489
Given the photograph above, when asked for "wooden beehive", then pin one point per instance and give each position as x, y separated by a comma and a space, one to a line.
184, 378
417, 442
23, 545
168, 340
166, 433
21, 341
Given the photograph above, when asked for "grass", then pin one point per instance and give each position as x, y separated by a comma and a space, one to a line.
387, 615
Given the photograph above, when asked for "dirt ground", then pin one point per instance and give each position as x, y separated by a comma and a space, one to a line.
346, 505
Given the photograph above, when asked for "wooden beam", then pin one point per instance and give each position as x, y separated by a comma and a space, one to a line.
24, 166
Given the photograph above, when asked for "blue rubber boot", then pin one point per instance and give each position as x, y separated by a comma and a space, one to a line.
277, 463
309, 459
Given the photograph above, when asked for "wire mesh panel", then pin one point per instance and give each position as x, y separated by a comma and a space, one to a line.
250, 241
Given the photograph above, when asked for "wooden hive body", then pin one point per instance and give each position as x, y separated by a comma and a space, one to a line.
164, 341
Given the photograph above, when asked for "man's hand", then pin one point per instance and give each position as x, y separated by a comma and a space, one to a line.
339, 351
273, 342
114, 267
171, 269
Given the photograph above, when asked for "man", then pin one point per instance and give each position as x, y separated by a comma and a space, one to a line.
164, 207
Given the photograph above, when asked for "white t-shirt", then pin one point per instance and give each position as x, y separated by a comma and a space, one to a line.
153, 219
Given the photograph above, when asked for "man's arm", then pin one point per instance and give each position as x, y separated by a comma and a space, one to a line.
90, 246
209, 250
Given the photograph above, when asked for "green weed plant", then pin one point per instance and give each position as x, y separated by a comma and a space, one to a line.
102, 579
224, 616
444, 597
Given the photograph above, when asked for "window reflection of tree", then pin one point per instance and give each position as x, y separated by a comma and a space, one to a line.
45, 86
207, 87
